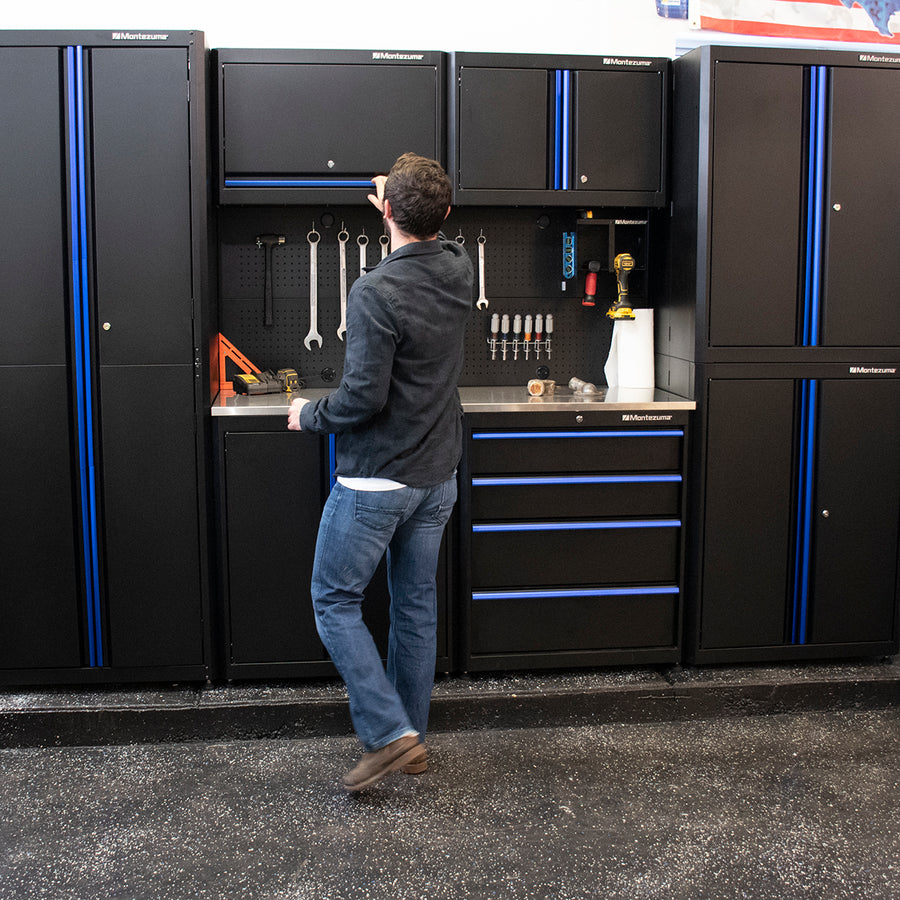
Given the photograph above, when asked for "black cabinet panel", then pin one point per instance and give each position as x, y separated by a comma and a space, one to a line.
747, 539
273, 484
32, 230
863, 207
39, 593
756, 204
328, 120
618, 131
503, 128
542, 625
577, 556
857, 499
142, 205
150, 503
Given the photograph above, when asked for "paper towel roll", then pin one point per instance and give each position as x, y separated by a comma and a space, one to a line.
630, 363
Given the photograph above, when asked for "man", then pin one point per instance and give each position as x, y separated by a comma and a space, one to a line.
397, 420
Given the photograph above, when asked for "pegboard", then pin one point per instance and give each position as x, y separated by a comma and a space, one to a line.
524, 274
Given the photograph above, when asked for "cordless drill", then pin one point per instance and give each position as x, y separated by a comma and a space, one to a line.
621, 308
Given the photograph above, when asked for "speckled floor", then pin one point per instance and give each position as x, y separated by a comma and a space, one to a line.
798, 805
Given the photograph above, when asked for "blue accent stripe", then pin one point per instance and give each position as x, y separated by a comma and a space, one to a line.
815, 211
529, 480
299, 182
566, 120
557, 133
575, 526
531, 435
574, 592
82, 348
332, 461
805, 497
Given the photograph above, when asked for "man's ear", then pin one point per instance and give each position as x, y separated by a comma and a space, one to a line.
447, 213
386, 210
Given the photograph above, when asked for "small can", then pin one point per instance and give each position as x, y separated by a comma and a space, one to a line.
539, 387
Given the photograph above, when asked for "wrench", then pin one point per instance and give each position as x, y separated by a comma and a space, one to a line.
385, 242
362, 240
343, 237
482, 302
313, 335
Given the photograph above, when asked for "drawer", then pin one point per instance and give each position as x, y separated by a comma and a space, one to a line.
575, 553
574, 496
538, 622
575, 450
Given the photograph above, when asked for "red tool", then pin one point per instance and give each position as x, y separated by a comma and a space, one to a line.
590, 284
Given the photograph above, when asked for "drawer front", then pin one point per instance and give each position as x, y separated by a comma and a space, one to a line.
536, 622
575, 496
575, 450
579, 553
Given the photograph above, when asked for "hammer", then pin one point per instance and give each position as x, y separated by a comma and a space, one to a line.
270, 241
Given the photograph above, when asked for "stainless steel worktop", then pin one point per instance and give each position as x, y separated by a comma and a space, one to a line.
477, 399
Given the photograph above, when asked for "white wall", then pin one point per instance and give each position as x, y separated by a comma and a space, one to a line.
626, 27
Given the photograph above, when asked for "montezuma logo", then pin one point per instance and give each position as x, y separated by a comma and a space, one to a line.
138, 36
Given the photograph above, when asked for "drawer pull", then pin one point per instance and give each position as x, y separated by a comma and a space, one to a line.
531, 435
575, 592
528, 480
575, 526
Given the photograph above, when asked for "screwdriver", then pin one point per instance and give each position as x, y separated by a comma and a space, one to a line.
548, 326
538, 334
504, 333
517, 331
527, 334
495, 327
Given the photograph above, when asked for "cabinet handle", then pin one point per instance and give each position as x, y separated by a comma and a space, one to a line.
826, 513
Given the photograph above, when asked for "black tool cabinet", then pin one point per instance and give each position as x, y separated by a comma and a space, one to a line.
782, 321
271, 486
314, 126
571, 538
101, 320
558, 130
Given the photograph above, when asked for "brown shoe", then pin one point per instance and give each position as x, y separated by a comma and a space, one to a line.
375, 765
418, 764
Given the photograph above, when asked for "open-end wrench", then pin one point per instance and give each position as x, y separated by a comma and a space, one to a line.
385, 242
362, 240
482, 301
313, 334
343, 237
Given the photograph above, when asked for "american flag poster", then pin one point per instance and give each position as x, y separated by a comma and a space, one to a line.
859, 21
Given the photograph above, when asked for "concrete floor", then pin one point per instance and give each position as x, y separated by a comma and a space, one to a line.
787, 805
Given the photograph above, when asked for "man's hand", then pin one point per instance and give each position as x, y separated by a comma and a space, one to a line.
294, 415
377, 199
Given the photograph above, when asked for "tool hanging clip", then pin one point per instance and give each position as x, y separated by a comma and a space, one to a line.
269, 241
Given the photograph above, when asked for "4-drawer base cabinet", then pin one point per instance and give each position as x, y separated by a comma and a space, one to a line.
571, 539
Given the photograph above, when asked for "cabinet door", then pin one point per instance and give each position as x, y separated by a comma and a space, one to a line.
862, 266
273, 484
141, 154
754, 233
33, 263
618, 131
39, 597
747, 529
327, 120
858, 486
151, 524
503, 128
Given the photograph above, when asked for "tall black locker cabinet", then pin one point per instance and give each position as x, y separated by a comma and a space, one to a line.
782, 322
103, 181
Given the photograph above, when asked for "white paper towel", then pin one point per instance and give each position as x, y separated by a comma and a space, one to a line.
630, 362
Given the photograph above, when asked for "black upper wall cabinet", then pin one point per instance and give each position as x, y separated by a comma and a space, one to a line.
786, 198
557, 130
313, 126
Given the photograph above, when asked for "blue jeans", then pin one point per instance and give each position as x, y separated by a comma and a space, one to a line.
356, 529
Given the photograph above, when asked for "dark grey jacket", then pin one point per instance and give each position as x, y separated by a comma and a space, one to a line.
396, 413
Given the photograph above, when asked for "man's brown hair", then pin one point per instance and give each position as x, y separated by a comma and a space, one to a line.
418, 190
